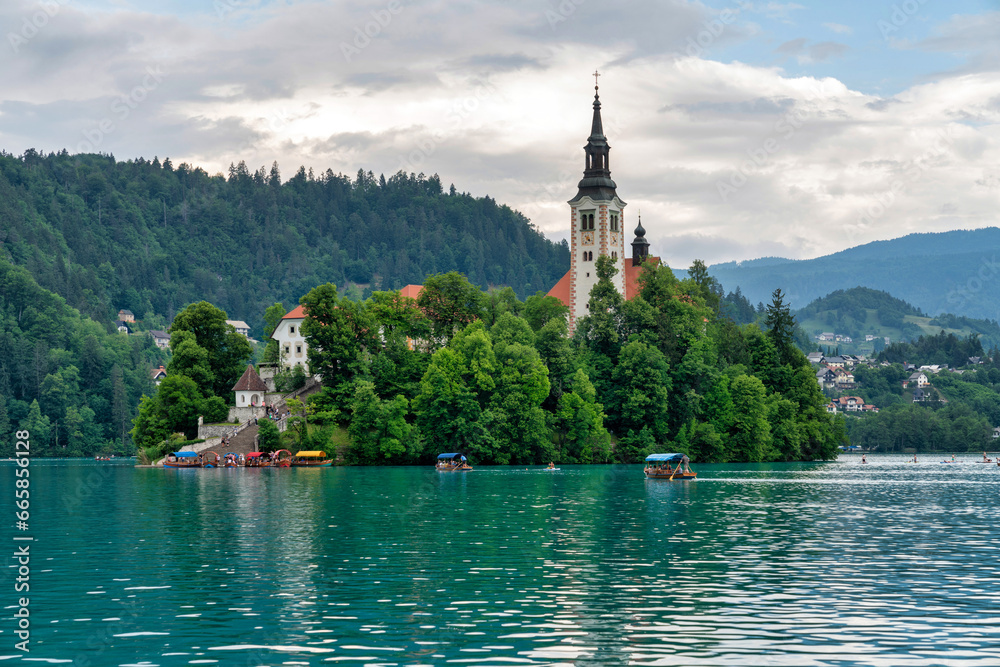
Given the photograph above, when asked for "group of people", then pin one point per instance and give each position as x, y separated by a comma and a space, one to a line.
263, 461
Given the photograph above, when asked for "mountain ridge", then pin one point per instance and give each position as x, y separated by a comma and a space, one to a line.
938, 272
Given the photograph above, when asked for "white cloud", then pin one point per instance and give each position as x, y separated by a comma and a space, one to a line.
495, 98
838, 28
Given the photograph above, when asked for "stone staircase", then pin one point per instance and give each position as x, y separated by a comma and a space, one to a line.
242, 443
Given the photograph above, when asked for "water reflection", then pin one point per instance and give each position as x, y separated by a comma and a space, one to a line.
886, 563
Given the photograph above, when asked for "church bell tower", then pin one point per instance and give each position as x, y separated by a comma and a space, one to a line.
596, 220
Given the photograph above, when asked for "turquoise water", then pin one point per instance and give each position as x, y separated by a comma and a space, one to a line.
889, 564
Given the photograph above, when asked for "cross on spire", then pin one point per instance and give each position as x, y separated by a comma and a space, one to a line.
596, 74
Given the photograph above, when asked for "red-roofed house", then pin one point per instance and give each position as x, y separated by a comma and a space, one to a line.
292, 346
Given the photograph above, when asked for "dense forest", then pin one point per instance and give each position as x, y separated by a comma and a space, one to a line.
73, 383
151, 237
502, 380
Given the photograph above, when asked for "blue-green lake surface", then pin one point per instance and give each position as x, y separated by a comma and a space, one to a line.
889, 563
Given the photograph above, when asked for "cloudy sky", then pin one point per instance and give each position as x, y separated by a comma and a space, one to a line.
739, 129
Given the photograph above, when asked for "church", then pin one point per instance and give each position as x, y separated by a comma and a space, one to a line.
597, 219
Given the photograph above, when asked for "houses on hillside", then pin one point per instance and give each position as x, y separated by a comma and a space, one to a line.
830, 337
849, 404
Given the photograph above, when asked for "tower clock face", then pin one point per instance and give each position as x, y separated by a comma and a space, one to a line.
588, 238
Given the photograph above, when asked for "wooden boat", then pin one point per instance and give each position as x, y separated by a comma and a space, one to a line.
658, 466
229, 461
452, 462
182, 460
285, 462
311, 459
211, 459
257, 460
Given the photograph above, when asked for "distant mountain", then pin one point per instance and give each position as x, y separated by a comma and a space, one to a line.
150, 237
950, 272
862, 312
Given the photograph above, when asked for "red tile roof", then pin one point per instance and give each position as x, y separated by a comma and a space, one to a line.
412, 291
632, 277
561, 290
296, 313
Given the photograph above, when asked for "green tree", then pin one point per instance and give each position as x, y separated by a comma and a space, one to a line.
641, 390
447, 410
707, 445
540, 309
191, 360
39, 426
175, 408
781, 327
379, 430
580, 424
450, 302
227, 351
518, 422
268, 436
750, 438
338, 330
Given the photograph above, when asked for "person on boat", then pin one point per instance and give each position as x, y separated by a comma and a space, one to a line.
985, 459
914, 458
863, 459
552, 464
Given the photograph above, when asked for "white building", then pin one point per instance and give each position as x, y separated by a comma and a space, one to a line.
240, 326
250, 389
292, 347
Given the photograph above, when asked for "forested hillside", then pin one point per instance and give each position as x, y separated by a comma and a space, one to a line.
151, 237
64, 377
860, 311
949, 272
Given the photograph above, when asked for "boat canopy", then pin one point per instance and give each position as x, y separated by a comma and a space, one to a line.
666, 458
450, 456
319, 454
185, 455
252, 455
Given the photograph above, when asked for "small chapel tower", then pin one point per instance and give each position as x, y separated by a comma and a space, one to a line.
596, 220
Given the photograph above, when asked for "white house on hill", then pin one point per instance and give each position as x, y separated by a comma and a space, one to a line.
292, 345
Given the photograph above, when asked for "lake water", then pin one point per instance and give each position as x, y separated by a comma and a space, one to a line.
889, 564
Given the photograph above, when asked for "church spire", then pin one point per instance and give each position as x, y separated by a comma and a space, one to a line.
597, 127
640, 246
597, 183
